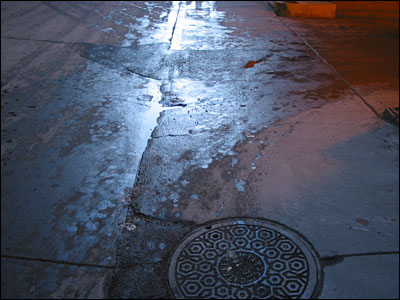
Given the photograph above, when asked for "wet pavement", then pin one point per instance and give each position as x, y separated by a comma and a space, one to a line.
126, 125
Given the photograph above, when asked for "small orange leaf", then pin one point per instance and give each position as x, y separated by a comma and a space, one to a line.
250, 64
362, 221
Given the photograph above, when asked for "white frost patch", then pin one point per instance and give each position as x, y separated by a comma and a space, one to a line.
359, 228
240, 185
234, 161
185, 182
221, 209
105, 204
109, 29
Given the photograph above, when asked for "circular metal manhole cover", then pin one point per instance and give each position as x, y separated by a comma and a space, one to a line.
244, 258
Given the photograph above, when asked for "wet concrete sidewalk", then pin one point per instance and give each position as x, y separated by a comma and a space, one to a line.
126, 125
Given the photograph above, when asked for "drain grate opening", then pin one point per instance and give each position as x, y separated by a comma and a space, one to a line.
245, 258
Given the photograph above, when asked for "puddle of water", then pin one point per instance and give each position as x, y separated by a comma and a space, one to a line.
201, 24
156, 33
177, 32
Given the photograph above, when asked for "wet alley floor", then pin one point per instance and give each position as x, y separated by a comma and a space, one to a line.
127, 125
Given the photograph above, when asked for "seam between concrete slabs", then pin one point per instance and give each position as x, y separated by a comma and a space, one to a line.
329, 65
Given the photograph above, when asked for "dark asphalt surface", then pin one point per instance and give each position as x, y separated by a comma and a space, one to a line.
125, 125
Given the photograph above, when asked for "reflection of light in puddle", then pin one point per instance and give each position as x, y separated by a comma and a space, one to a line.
131, 36
177, 34
194, 25
201, 25
155, 33
188, 90
151, 115
163, 31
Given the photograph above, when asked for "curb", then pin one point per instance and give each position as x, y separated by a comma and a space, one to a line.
332, 9
307, 9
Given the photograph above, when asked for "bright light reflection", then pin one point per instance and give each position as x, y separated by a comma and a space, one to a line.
186, 25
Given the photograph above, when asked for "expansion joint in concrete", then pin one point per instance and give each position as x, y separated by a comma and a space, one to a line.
49, 41
139, 74
330, 66
328, 261
59, 262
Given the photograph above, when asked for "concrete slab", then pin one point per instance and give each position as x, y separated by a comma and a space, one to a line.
368, 56
319, 163
51, 280
362, 277
65, 182
73, 194
68, 22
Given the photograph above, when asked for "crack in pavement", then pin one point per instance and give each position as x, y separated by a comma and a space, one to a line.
150, 219
51, 41
328, 261
173, 28
60, 262
169, 135
140, 74
329, 65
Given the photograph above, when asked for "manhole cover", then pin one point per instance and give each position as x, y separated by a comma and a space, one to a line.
244, 258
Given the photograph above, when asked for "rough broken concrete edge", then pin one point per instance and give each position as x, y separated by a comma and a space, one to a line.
390, 115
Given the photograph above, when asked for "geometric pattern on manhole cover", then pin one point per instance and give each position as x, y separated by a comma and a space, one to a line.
242, 259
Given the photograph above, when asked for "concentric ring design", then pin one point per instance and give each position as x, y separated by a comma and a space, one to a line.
244, 258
